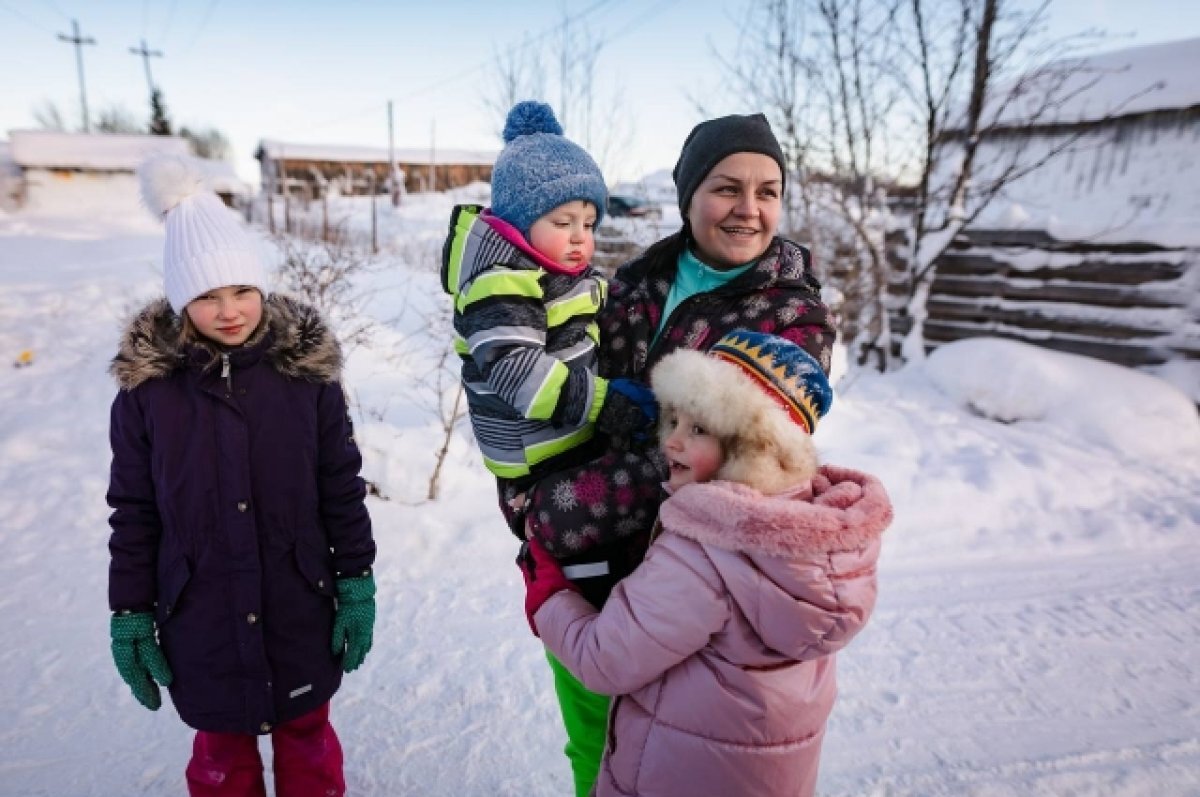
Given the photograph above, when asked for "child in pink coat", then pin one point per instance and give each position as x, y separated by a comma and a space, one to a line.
721, 646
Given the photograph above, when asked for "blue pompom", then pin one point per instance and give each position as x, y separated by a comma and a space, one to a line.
530, 117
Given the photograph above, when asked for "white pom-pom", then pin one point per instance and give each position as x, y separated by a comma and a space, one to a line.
167, 180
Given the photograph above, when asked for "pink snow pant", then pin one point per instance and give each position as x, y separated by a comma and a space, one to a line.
308, 761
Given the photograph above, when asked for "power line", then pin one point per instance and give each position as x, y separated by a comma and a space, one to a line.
653, 11
200, 28
25, 19
162, 36
56, 8
526, 43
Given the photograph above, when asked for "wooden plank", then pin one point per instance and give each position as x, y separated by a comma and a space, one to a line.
1039, 319
1097, 294
1040, 239
1130, 355
974, 264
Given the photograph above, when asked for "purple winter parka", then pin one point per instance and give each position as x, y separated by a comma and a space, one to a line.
236, 502
720, 646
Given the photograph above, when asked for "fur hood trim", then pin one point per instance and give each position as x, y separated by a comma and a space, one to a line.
300, 344
763, 447
839, 510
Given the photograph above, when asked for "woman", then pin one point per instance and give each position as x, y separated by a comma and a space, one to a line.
726, 268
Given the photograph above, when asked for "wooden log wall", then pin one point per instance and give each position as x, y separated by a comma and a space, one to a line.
1133, 304
358, 178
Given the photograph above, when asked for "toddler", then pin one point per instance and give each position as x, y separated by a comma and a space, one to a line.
525, 304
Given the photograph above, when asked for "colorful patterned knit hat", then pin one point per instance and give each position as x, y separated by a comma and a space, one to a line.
790, 375
761, 395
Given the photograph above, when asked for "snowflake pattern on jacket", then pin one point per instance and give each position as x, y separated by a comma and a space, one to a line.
604, 509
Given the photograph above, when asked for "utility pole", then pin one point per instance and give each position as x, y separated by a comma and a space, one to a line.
394, 180
146, 55
79, 41
433, 155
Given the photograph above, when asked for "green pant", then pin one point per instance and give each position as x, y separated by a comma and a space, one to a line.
585, 716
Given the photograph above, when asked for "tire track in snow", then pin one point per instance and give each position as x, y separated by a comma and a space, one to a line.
1085, 665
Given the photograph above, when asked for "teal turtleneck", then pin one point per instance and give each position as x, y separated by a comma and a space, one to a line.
693, 277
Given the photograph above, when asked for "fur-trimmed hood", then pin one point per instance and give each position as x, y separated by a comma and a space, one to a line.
761, 446
298, 344
839, 510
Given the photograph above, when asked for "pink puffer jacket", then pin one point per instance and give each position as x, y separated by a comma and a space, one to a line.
720, 645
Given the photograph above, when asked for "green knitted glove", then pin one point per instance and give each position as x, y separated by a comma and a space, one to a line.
138, 657
354, 625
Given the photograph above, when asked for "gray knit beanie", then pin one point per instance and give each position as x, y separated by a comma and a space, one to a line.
712, 141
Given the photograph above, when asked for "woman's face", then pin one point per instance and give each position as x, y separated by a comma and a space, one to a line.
735, 211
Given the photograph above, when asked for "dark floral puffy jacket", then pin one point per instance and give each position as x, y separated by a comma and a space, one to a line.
598, 515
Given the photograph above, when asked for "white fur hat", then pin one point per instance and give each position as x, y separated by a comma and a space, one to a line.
206, 247
750, 403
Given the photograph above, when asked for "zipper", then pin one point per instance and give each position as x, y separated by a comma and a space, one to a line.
227, 373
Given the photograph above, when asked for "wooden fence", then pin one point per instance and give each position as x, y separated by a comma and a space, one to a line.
1135, 304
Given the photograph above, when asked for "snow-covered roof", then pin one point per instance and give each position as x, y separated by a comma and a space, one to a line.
50, 149
222, 177
1134, 80
277, 150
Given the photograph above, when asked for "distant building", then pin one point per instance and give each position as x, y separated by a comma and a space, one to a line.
54, 168
310, 170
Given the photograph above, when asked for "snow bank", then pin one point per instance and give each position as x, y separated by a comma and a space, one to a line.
1130, 413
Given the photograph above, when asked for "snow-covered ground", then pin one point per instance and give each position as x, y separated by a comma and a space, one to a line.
1037, 633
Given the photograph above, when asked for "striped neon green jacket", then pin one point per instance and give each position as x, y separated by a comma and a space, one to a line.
526, 331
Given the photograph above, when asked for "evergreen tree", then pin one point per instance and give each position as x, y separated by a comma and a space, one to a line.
207, 143
160, 124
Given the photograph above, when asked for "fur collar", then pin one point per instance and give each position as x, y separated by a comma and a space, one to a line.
298, 344
839, 510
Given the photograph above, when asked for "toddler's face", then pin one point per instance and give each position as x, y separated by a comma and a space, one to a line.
228, 315
693, 454
565, 234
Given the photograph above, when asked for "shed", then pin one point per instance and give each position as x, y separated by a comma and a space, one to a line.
1098, 251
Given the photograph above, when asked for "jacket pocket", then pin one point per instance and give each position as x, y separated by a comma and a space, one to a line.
315, 569
170, 588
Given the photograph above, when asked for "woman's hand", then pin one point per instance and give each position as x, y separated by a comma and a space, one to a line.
630, 409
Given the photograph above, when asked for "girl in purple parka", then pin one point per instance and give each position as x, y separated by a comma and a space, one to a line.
241, 546
720, 646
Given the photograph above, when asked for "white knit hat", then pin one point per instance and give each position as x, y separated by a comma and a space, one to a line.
206, 246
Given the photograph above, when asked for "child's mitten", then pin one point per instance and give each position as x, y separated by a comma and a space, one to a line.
354, 625
139, 659
629, 408
543, 578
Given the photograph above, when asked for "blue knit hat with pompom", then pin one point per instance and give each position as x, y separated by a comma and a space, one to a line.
539, 169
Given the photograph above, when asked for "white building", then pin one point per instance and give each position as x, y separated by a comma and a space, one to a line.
50, 169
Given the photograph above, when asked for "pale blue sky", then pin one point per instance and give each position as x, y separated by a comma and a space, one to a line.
322, 72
